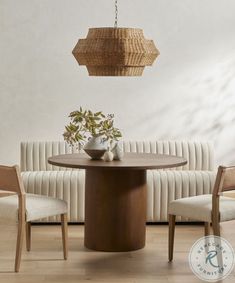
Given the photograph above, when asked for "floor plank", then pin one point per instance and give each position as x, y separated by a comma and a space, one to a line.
45, 262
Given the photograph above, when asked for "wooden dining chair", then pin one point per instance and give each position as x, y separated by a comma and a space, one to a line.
24, 208
212, 208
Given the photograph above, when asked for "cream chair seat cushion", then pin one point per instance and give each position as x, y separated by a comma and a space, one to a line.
200, 207
37, 207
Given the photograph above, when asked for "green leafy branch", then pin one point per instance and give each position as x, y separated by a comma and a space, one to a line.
85, 124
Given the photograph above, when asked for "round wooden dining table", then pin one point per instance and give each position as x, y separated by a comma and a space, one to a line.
115, 197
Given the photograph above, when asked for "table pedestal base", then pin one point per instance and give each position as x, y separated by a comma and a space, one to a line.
115, 209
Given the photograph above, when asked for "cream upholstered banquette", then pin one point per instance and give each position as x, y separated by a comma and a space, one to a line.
195, 178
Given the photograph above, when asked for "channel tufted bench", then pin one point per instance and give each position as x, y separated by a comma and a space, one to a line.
195, 178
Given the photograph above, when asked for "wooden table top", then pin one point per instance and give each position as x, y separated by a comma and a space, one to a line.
130, 161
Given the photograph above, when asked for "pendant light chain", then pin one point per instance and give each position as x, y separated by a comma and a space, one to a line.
116, 14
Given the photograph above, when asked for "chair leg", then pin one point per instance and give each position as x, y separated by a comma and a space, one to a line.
171, 236
28, 236
19, 245
216, 227
207, 228
64, 227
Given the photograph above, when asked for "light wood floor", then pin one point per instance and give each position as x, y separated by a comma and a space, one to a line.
44, 263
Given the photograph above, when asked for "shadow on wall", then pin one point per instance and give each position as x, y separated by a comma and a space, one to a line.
210, 111
204, 110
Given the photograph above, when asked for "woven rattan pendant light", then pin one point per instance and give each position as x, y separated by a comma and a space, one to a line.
115, 51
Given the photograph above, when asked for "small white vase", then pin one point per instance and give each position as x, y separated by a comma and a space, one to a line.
108, 156
117, 152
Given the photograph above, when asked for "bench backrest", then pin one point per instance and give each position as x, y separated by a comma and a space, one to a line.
200, 155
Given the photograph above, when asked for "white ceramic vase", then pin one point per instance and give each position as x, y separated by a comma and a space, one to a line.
96, 143
95, 147
117, 152
108, 156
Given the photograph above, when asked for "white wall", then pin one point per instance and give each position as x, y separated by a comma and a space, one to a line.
188, 94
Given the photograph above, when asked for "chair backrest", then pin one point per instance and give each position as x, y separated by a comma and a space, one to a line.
225, 180
200, 155
10, 179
